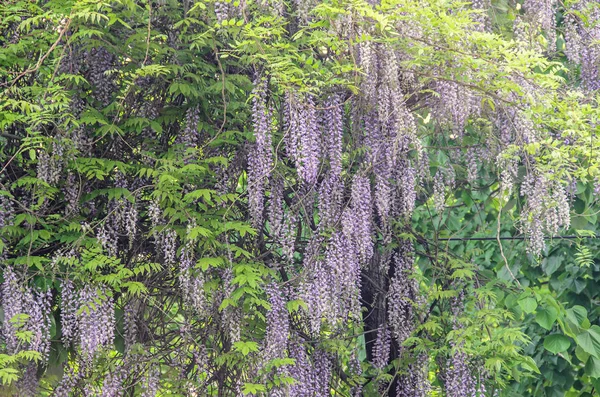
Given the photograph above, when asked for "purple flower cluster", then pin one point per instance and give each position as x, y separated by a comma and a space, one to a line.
71, 193
275, 209
189, 136
406, 196
481, 18
381, 349
130, 324
454, 104
414, 382
50, 163
303, 136
260, 158
546, 210
471, 165
303, 9
401, 293
443, 179
6, 212
315, 290
100, 61
68, 312
357, 218
122, 219
151, 383
277, 332
331, 193
540, 17
96, 320
232, 316
312, 378
29, 384
310, 142
112, 386
165, 240
333, 125
459, 379
25, 309
190, 283
222, 10
288, 234
343, 269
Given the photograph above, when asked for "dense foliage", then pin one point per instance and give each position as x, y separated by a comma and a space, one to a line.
299, 198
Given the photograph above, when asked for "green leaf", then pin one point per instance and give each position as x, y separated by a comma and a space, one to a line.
581, 355
253, 388
577, 315
296, 305
592, 367
530, 364
245, 347
589, 340
546, 317
556, 343
528, 305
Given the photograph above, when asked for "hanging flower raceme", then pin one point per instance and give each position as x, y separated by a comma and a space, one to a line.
260, 158
25, 309
303, 136
277, 331
332, 124
546, 210
96, 320
414, 383
331, 193
100, 61
191, 282
189, 136
400, 299
341, 263
275, 212
357, 218
381, 350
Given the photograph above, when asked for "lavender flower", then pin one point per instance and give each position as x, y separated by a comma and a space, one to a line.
68, 309
459, 380
356, 219
71, 193
12, 305
303, 141
546, 210
333, 130
381, 349
151, 383
400, 295
330, 200
341, 263
100, 61
277, 331
189, 136
275, 210
259, 157
96, 320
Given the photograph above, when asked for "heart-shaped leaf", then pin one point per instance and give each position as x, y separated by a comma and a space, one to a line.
556, 343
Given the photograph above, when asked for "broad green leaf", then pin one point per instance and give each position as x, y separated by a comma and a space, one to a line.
589, 340
557, 343
578, 316
546, 317
592, 367
528, 305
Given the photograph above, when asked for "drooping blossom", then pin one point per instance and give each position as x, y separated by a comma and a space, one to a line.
277, 331
260, 156
357, 218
